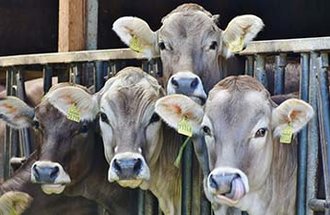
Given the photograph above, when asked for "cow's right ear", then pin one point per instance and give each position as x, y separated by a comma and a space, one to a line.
174, 108
14, 202
16, 113
136, 34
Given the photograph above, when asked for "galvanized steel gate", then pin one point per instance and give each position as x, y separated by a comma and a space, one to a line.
313, 54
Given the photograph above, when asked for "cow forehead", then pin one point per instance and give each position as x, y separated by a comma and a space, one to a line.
237, 110
185, 24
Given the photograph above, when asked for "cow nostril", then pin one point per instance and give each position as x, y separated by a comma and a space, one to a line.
54, 172
213, 182
137, 165
175, 83
116, 165
35, 170
194, 83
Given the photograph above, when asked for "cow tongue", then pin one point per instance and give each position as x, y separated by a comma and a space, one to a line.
237, 190
52, 188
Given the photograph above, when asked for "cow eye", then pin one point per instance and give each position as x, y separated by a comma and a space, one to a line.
161, 45
206, 130
104, 117
154, 118
214, 45
261, 132
83, 129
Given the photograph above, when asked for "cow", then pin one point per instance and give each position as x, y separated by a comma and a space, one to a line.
68, 160
194, 51
252, 157
139, 148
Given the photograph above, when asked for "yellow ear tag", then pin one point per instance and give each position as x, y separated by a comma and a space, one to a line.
73, 113
236, 45
184, 127
286, 135
135, 44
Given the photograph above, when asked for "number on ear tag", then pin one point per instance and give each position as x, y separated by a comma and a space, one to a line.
286, 135
73, 113
184, 127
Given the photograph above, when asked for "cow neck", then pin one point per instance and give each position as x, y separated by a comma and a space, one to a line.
21, 178
278, 195
164, 168
96, 187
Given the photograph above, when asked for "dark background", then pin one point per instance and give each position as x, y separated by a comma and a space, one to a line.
31, 26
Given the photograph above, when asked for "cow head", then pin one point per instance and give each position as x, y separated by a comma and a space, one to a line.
241, 126
190, 45
65, 121
129, 125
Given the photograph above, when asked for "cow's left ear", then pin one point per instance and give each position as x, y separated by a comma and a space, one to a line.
15, 112
294, 113
174, 108
14, 202
137, 35
75, 103
240, 31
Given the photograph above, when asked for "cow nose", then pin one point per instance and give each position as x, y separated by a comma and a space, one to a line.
127, 168
45, 174
222, 183
187, 83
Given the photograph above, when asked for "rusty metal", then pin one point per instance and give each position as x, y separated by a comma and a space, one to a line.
260, 71
279, 76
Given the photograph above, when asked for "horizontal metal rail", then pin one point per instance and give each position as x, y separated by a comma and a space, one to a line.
70, 57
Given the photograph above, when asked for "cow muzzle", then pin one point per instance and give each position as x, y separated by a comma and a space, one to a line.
227, 185
128, 169
189, 84
50, 175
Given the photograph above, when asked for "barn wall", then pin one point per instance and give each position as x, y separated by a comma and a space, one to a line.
283, 19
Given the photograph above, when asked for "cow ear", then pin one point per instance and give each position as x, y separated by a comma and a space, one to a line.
294, 113
136, 34
240, 31
75, 103
173, 108
14, 202
16, 113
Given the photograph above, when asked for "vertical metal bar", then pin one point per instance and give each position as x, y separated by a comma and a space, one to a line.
249, 65
313, 135
187, 179
260, 72
47, 76
99, 74
324, 120
302, 137
24, 134
279, 76
141, 202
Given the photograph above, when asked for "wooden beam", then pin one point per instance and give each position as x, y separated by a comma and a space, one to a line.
72, 30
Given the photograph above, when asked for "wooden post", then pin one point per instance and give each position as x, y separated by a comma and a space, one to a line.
72, 30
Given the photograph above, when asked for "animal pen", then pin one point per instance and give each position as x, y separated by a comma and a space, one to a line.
314, 145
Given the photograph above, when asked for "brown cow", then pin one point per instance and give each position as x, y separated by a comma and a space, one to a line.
192, 48
69, 160
243, 128
139, 148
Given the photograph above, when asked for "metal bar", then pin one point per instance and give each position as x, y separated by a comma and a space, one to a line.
99, 73
24, 134
324, 120
47, 76
249, 65
260, 72
302, 137
187, 179
313, 135
141, 202
318, 204
279, 76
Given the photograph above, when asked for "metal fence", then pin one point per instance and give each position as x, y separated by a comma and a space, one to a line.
311, 53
